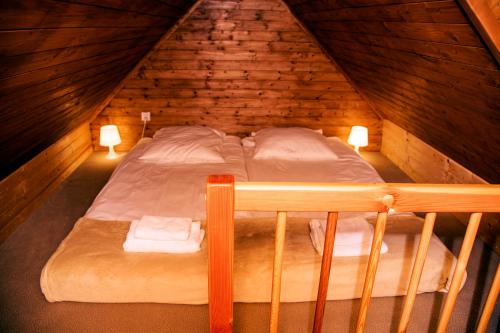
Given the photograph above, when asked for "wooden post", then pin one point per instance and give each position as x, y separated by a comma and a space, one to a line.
278, 262
489, 306
326, 264
458, 275
416, 273
220, 234
371, 270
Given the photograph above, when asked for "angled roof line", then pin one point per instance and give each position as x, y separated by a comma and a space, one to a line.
98, 109
304, 27
486, 24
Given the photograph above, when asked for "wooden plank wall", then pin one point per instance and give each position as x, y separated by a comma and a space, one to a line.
60, 58
25, 189
425, 164
423, 66
239, 66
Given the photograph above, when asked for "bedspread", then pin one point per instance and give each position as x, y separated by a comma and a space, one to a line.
91, 266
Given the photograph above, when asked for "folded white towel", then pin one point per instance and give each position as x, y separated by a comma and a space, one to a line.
192, 244
353, 237
163, 228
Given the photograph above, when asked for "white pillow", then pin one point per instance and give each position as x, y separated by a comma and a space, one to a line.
320, 131
294, 143
187, 130
184, 145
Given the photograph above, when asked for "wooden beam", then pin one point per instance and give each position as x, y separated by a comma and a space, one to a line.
275, 196
220, 234
279, 246
416, 273
371, 270
326, 265
488, 26
458, 274
489, 306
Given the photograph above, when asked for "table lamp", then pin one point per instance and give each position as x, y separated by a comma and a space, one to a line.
358, 137
110, 137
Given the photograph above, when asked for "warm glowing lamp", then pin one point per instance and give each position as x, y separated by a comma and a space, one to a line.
358, 137
110, 137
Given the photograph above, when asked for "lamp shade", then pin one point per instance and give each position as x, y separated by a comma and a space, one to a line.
358, 136
109, 136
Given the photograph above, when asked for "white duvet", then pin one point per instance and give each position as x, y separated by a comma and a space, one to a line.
137, 187
348, 168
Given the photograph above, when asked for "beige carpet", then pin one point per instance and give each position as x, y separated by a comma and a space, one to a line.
24, 309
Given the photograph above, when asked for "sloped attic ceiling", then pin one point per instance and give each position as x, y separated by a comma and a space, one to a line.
423, 66
59, 59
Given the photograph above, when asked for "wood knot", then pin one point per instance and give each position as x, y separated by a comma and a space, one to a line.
387, 200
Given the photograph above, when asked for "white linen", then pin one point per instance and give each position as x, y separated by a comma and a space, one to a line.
184, 145
163, 228
348, 168
293, 143
353, 237
188, 130
192, 244
137, 188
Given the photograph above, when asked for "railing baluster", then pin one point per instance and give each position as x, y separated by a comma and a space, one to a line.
458, 275
277, 268
326, 264
371, 270
489, 306
220, 234
416, 273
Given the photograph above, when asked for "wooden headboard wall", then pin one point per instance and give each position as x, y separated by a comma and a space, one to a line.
238, 66
423, 66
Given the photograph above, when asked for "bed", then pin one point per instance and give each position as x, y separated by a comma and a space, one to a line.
91, 266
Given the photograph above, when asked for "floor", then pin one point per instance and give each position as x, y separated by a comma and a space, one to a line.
24, 309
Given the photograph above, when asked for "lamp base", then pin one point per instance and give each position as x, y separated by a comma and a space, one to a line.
111, 154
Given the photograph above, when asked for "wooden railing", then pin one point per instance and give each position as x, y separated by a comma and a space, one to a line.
224, 196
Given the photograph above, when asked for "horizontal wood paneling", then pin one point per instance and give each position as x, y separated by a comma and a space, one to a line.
61, 58
238, 66
425, 164
423, 66
25, 188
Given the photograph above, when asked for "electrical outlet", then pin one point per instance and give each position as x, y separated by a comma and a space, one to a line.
146, 116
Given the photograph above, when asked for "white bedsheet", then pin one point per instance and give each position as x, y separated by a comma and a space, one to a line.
348, 168
138, 188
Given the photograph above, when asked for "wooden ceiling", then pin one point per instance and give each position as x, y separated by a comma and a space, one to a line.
59, 59
420, 63
423, 66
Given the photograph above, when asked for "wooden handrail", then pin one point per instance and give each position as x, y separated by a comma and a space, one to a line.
224, 196
336, 197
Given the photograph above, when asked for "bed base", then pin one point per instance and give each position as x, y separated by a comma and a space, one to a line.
224, 197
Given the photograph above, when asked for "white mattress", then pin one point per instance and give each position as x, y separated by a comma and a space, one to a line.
138, 188
348, 168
